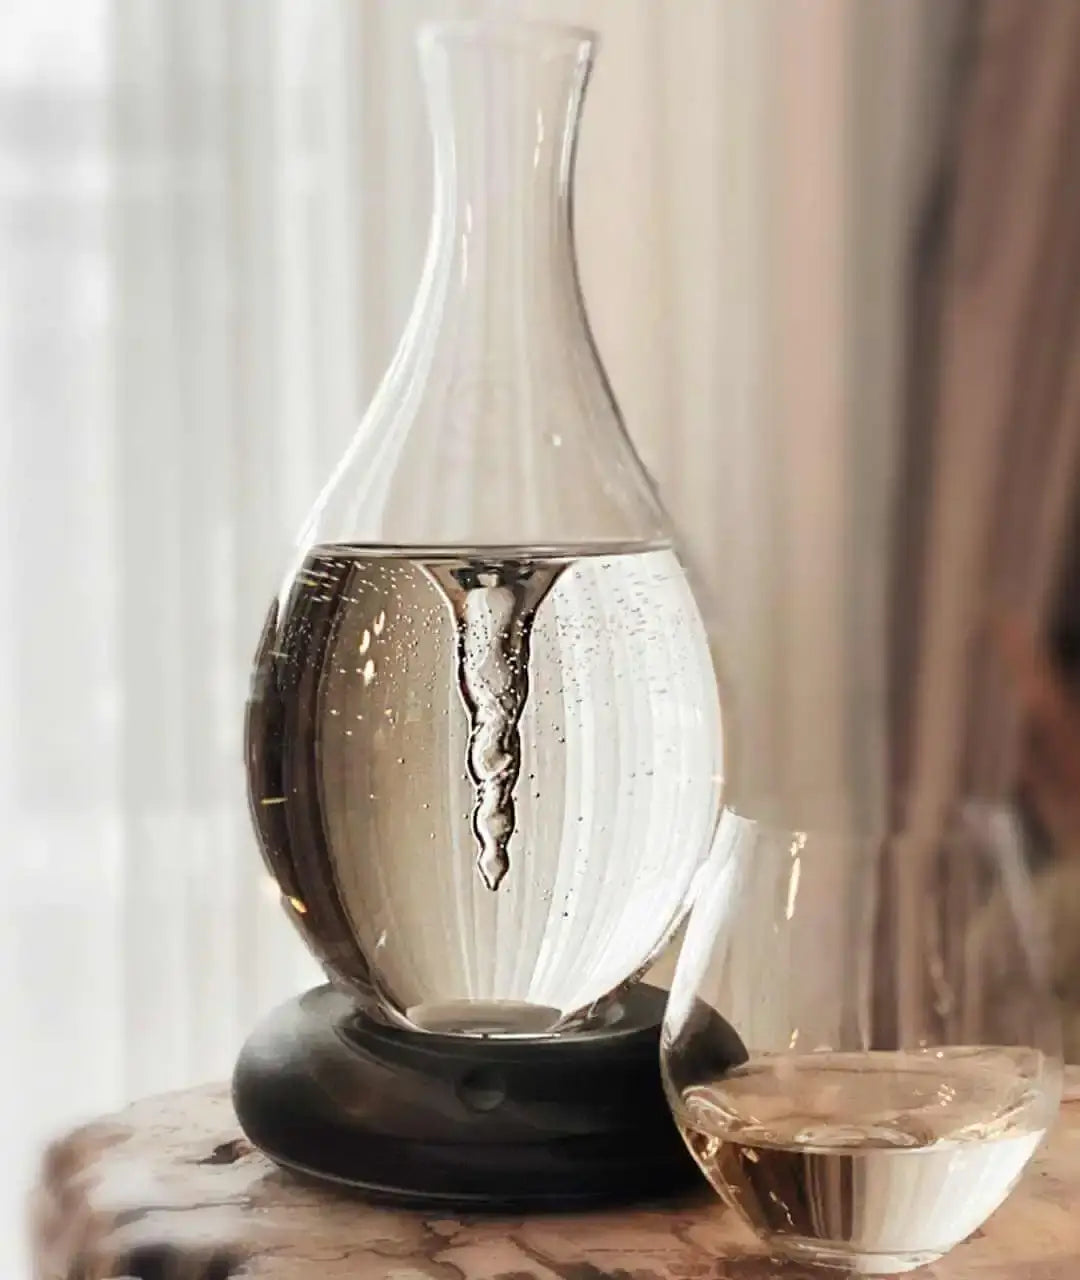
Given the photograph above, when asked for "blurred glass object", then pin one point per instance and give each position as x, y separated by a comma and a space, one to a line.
838, 1145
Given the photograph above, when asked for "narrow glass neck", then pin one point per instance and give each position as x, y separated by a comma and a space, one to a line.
504, 99
495, 424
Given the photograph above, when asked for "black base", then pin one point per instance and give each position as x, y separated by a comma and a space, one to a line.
447, 1122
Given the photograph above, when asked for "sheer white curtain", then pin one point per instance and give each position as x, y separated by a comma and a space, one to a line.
211, 219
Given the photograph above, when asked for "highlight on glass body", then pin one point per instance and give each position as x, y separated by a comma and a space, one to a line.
862, 1061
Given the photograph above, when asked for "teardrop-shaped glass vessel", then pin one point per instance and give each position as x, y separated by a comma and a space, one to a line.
483, 739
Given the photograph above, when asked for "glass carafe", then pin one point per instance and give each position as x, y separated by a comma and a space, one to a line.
483, 737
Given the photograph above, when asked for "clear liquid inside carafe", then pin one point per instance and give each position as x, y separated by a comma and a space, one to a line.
507, 792
483, 740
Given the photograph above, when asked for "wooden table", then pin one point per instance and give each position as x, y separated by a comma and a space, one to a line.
168, 1190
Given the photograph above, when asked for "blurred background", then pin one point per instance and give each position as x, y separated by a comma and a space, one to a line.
212, 215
